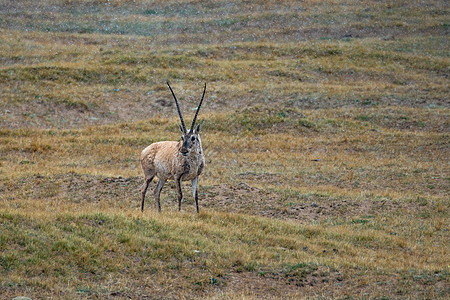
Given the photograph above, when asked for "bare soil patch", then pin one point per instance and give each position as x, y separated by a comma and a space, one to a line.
124, 192
250, 200
299, 281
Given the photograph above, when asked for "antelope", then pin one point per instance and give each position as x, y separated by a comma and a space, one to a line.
179, 161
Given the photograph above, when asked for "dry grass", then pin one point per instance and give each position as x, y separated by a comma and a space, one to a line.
106, 75
362, 203
326, 133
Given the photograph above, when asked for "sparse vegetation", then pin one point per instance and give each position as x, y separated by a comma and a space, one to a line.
325, 129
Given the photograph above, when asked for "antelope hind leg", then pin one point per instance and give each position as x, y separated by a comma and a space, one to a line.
158, 189
144, 190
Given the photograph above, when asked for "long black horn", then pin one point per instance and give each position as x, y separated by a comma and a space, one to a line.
198, 108
178, 108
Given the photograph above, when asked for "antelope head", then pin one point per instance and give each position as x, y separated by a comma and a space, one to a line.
191, 142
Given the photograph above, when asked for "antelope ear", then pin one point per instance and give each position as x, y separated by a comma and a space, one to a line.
197, 130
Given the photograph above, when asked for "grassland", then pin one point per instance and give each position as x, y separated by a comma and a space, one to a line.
325, 128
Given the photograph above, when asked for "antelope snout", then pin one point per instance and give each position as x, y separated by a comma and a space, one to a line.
184, 152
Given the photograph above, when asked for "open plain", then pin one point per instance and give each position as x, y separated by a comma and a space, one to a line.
326, 133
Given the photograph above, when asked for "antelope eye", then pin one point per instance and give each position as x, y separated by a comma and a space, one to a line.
193, 138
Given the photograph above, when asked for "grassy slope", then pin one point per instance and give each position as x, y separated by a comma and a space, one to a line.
333, 181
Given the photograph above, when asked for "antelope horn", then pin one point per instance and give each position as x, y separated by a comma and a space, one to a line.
198, 108
178, 108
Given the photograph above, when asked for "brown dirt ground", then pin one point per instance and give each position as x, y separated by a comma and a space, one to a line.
241, 198
316, 281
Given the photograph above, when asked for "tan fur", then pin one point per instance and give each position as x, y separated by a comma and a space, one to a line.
165, 161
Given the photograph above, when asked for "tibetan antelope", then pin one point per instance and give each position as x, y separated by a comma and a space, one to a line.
179, 161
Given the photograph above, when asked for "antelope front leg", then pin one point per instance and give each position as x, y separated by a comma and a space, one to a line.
180, 194
194, 191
